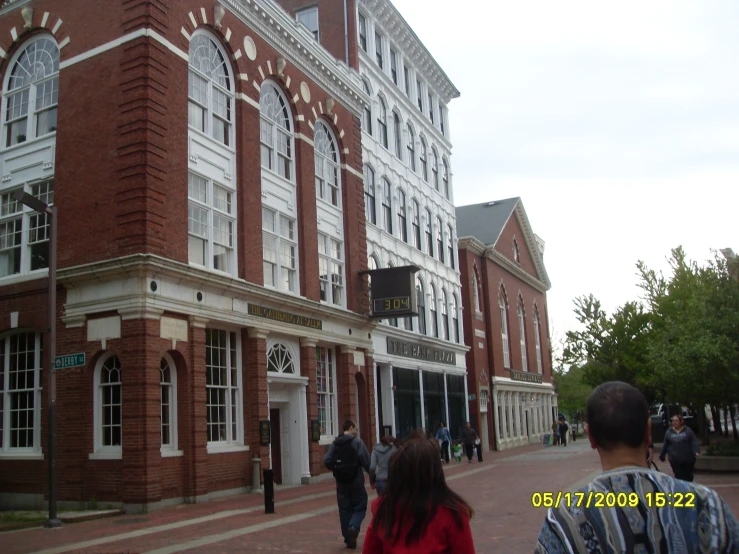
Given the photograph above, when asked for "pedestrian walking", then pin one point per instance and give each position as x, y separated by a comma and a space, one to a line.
347, 457
445, 439
681, 447
380, 462
563, 427
469, 436
419, 513
649, 512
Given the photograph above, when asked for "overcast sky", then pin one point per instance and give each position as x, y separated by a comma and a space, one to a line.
617, 123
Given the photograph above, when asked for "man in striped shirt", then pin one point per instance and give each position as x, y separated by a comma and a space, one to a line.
630, 508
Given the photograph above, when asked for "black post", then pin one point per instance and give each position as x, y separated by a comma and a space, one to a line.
53, 521
269, 492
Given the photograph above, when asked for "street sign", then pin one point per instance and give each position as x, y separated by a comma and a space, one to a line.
70, 360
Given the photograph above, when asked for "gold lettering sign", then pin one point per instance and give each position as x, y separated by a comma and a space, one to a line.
419, 352
525, 377
284, 317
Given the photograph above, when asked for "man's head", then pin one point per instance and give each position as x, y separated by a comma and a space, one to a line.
468, 425
350, 428
618, 416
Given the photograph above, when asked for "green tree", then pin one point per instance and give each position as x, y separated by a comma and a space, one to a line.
572, 390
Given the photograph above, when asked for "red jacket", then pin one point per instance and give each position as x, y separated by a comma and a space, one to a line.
442, 536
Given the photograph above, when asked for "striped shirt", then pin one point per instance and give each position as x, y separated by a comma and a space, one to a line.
709, 527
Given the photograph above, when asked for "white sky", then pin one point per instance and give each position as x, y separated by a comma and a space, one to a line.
617, 123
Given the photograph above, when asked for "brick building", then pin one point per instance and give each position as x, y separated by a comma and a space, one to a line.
506, 324
406, 144
206, 161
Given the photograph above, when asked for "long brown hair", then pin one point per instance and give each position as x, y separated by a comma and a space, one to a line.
416, 489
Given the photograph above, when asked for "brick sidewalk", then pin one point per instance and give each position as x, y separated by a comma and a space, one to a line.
306, 519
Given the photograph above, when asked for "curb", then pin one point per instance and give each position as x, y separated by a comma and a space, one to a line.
64, 518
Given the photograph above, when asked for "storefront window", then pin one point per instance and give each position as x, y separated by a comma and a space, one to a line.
433, 401
407, 395
457, 412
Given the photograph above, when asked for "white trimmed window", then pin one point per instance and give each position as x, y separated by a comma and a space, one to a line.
419, 95
444, 315
108, 408
441, 119
402, 217
516, 252
504, 331
421, 305
31, 92
210, 90
326, 392
275, 132
435, 167
440, 239
387, 207
431, 108
362, 32
210, 224
309, 18
328, 180
280, 360
394, 66
429, 236
280, 251
424, 164
416, 224
432, 312
407, 79
445, 176
382, 122
522, 333
331, 269
168, 395
378, 50
537, 340
24, 233
411, 146
455, 315
476, 292
367, 113
20, 393
450, 245
369, 195
223, 405
397, 137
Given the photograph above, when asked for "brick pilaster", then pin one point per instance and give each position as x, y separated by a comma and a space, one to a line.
195, 439
309, 367
256, 406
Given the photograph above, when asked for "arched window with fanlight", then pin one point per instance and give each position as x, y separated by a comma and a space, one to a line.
276, 135
168, 404
328, 176
31, 92
108, 408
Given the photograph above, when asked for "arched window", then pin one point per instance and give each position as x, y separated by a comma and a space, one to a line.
223, 401
440, 239
475, 291
424, 165
432, 312
31, 92
537, 339
387, 207
168, 389
280, 360
20, 393
367, 113
522, 334
416, 224
429, 236
450, 244
382, 121
455, 317
435, 167
421, 305
411, 146
210, 89
503, 305
445, 176
275, 131
369, 195
444, 315
108, 408
328, 180
397, 137
402, 225
516, 252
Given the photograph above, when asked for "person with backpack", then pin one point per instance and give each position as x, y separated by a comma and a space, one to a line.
347, 457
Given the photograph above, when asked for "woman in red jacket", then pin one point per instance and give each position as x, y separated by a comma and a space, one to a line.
419, 513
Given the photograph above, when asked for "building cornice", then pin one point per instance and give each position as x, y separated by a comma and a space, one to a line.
395, 26
471, 244
298, 46
532, 244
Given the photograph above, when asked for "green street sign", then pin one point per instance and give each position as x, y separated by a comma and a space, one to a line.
70, 360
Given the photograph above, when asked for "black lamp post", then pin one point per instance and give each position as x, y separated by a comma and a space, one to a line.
51, 212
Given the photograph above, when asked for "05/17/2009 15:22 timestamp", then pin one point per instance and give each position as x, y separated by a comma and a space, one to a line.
595, 499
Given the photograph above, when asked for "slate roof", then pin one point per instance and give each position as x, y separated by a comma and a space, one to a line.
485, 221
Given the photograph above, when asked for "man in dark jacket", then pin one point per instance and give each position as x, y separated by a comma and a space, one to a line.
350, 492
469, 436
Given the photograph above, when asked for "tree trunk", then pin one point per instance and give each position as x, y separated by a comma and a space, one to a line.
716, 414
733, 422
726, 420
700, 416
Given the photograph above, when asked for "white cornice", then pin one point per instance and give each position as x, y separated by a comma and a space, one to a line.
394, 26
471, 244
532, 244
296, 43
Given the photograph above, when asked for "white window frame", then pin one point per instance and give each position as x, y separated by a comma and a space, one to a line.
217, 80
367, 112
326, 160
428, 232
234, 411
423, 158
276, 156
100, 450
446, 335
537, 340
476, 293
419, 95
416, 224
407, 80
362, 31
440, 239
504, 331
370, 200
224, 210
421, 305
303, 16
455, 317
522, 332
387, 206
394, 66
26, 87
402, 216
411, 147
397, 136
328, 363
435, 167
280, 241
170, 449
27, 226
433, 311
382, 122
431, 107
331, 259
6, 395
445, 177
450, 245
379, 50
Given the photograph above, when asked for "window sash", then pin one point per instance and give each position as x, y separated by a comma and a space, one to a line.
378, 50
20, 393
222, 387
210, 224
279, 251
326, 391
362, 32
522, 331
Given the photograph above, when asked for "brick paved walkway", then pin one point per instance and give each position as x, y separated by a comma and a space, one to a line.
306, 521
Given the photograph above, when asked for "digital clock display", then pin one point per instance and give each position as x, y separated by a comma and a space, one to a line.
390, 305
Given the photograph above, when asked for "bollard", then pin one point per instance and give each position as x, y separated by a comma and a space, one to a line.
269, 492
256, 487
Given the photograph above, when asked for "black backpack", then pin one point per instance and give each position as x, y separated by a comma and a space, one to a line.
346, 462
